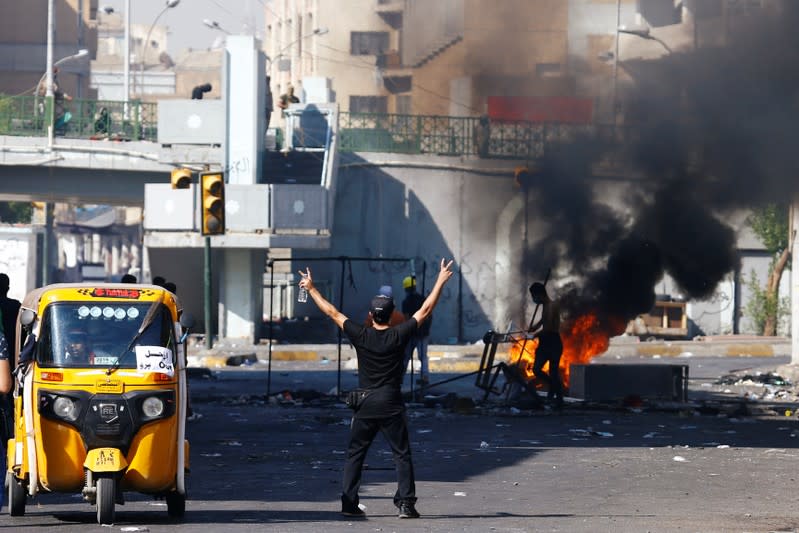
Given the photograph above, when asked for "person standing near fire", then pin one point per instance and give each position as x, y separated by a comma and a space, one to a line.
380, 350
550, 344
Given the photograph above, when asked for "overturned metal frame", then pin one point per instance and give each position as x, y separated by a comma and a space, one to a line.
489, 371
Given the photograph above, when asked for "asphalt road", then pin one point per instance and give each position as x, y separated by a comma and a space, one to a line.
722, 462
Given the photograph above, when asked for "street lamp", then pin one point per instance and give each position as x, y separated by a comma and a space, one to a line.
644, 33
49, 75
169, 4
318, 31
214, 25
83, 52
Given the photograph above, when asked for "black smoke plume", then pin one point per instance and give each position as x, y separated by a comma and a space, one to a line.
709, 131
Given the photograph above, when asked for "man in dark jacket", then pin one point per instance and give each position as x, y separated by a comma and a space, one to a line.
381, 351
9, 308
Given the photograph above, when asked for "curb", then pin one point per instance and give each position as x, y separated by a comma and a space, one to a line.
466, 358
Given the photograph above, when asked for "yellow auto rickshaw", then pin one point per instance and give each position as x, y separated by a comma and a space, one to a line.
100, 396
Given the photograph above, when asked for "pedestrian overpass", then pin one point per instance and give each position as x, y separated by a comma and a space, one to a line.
290, 205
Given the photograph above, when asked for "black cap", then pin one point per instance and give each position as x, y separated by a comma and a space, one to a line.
381, 308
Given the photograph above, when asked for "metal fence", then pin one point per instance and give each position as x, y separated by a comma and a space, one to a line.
358, 132
30, 115
443, 135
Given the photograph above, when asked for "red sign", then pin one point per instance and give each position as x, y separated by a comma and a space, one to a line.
561, 109
100, 292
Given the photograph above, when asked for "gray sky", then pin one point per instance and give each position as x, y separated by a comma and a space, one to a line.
185, 21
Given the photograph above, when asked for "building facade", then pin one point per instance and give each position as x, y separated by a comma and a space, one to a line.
23, 50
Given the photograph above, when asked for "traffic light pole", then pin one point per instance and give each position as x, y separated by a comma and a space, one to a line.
207, 293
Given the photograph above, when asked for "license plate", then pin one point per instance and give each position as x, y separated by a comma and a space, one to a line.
107, 459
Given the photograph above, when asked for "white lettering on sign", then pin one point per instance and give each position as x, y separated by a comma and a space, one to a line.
154, 359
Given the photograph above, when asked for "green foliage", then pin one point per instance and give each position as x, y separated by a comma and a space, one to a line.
770, 223
762, 305
16, 212
767, 311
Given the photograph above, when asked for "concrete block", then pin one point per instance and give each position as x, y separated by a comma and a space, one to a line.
619, 381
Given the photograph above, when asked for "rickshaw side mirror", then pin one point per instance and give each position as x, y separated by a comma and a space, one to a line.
186, 321
27, 317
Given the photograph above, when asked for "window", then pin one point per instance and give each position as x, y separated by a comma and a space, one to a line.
404, 104
743, 7
547, 69
368, 104
99, 334
368, 43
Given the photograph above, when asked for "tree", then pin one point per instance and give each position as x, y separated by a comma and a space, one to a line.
770, 223
16, 212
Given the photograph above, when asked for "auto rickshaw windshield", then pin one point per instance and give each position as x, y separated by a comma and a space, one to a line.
98, 334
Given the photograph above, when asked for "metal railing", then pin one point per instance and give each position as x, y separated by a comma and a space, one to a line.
29, 115
443, 135
357, 132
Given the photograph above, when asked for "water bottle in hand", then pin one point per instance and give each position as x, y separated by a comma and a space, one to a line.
302, 294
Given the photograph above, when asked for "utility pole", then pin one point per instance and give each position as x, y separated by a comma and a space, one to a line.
616, 66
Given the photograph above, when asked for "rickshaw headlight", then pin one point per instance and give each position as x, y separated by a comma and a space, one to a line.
152, 407
65, 408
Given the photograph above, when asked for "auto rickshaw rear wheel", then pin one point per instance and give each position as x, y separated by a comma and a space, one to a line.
175, 504
16, 495
106, 499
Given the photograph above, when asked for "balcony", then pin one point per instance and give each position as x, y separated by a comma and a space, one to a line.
396, 78
391, 12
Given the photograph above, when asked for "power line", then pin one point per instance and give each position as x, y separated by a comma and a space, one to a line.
373, 67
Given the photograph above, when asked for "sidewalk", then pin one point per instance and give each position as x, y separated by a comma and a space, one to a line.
466, 357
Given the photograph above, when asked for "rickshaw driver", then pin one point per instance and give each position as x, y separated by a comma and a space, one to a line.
78, 350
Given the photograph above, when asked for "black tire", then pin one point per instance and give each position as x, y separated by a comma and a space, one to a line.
17, 496
106, 500
175, 504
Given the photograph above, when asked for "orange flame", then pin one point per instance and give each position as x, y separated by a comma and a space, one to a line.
583, 339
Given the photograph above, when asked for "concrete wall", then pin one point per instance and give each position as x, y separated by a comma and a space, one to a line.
433, 207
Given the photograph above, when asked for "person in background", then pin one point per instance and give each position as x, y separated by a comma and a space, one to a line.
9, 309
128, 278
421, 339
269, 104
6, 414
159, 281
199, 90
61, 115
380, 350
288, 98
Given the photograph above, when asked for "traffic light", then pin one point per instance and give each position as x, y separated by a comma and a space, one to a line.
181, 178
213, 203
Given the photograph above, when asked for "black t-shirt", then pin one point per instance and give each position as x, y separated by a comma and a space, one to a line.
380, 365
412, 303
9, 308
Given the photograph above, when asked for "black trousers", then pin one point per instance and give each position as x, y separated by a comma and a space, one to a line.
362, 433
550, 348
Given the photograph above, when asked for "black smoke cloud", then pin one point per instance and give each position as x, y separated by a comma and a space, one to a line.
713, 130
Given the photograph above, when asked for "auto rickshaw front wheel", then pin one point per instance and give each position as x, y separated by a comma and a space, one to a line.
106, 499
16, 495
175, 504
